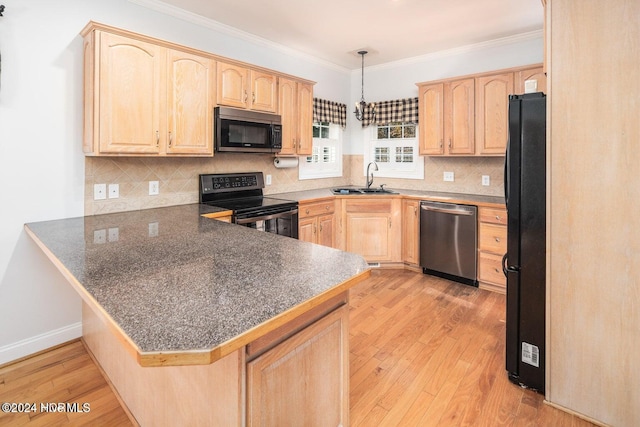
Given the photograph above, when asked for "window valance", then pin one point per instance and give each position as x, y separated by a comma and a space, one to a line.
329, 111
397, 110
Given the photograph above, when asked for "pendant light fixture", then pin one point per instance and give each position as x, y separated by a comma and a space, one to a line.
360, 107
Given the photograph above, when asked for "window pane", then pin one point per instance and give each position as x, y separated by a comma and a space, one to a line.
324, 132
396, 132
316, 132
410, 131
383, 132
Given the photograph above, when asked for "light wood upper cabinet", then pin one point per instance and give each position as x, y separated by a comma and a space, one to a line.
295, 106
145, 99
468, 116
459, 117
492, 110
126, 105
243, 87
536, 73
190, 97
431, 106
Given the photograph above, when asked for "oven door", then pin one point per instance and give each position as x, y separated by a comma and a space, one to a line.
282, 223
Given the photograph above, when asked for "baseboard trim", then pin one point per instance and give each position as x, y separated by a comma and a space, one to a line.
29, 346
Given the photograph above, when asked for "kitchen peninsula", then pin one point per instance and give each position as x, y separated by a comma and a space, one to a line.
200, 322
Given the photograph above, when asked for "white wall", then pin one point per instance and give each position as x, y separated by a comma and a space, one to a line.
41, 161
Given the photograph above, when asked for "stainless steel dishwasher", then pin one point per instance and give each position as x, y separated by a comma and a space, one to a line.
449, 241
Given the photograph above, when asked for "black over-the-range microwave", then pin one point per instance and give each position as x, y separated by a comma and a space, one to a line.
246, 131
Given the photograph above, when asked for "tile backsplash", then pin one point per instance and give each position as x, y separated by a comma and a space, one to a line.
178, 177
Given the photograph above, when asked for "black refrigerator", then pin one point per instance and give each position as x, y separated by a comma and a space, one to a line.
524, 263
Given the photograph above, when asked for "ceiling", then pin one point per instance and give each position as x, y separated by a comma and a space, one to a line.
391, 30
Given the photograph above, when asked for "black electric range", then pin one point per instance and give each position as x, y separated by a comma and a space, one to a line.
242, 193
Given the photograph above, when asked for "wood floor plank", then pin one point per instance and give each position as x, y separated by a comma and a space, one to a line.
424, 351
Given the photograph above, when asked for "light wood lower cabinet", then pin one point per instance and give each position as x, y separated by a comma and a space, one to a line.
411, 231
491, 248
303, 381
372, 227
317, 223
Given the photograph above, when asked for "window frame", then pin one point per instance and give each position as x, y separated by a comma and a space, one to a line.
333, 141
393, 169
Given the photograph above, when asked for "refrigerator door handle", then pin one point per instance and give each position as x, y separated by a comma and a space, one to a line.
506, 177
504, 264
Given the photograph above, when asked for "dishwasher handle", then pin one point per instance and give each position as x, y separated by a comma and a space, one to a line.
453, 210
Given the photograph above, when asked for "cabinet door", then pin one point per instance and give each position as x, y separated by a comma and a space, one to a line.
190, 97
410, 231
232, 85
264, 91
303, 381
288, 110
130, 94
459, 117
326, 230
305, 119
536, 74
373, 227
307, 229
431, 99
492, 110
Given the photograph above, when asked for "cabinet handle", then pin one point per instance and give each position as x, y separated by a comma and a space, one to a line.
246, 96
449, 143
253, 97
170, 138
441, 142
498, 217
321, 228
306, 211
496, 270
389, 222
157, 138
415, 211
498, 239
327, 207
315, 229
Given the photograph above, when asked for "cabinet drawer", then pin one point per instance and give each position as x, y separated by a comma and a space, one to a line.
493, 238
490, 269
314, 209
493, 215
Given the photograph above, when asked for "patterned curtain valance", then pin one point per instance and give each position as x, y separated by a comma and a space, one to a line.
397, 110
329, 111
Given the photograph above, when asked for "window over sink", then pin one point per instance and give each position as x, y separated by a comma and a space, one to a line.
394, 148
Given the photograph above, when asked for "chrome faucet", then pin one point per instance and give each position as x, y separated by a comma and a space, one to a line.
370, 175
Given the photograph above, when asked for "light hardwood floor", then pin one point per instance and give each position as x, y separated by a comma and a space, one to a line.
424, 351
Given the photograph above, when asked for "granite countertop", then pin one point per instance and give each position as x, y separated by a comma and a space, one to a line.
174, 281
476, 199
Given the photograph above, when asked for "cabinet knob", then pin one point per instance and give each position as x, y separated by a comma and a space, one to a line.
306, 211
327, 207
498, 217
498, 239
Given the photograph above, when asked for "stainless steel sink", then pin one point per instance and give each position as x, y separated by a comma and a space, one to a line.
371, 190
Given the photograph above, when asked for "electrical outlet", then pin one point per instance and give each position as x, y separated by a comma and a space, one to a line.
154, 188
113, 234
114, 191
268, 179
153, 229
448, 176
99, 191
486, 180
100, 236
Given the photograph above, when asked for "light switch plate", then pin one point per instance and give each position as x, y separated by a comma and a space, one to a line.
154, 188
486, 180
